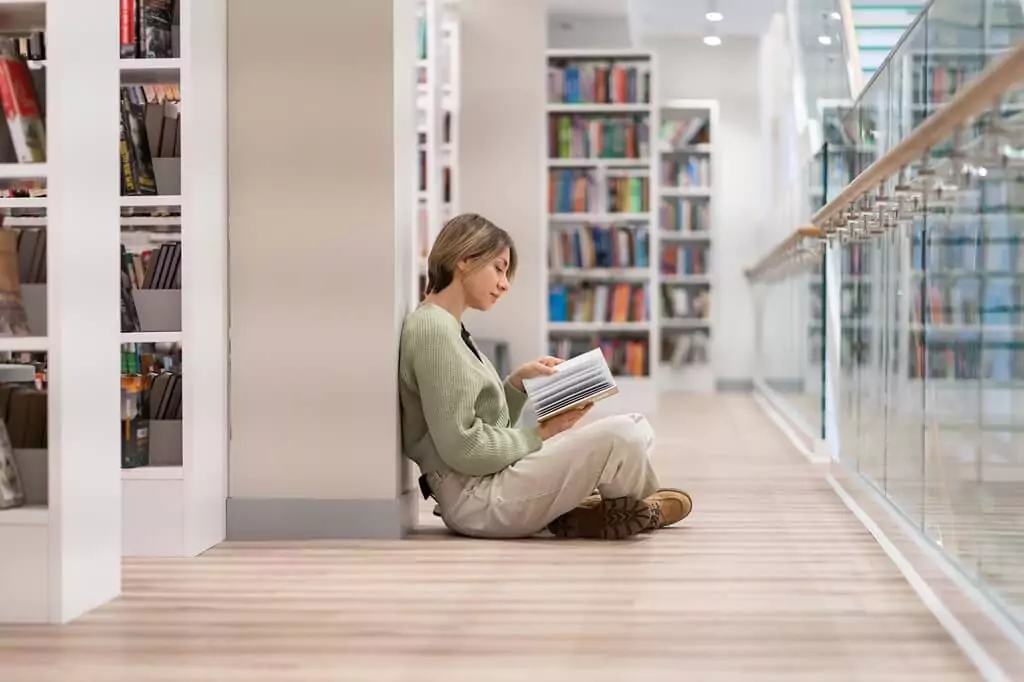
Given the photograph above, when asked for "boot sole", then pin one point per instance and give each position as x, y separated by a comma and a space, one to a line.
609, 520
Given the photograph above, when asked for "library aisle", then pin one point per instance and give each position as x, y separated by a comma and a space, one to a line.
772, 578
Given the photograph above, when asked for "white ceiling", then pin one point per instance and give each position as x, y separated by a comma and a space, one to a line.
674, 17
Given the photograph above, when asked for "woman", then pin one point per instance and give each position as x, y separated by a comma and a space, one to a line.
490, 478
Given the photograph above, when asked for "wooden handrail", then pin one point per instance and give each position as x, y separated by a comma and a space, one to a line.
978, 95
974, 98
784, 248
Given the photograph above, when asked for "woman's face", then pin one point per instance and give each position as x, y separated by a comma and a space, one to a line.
486, 284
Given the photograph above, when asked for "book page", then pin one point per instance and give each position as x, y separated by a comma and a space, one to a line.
576, 381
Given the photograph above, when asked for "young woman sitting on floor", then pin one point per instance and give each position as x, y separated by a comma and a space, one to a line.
490, 478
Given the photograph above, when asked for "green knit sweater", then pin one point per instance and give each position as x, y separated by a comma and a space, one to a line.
456, 411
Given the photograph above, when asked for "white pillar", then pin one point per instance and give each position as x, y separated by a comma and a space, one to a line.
321, 152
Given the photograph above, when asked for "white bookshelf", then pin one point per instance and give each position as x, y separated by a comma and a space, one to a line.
61, 552
619, 156
176, 507
686, 170
437, 108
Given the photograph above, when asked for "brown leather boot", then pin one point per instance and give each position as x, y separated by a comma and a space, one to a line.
605, 519
671, 505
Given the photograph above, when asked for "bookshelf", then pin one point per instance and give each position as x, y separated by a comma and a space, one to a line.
58, 376
174, 258
437, 127
684, 277
601, 224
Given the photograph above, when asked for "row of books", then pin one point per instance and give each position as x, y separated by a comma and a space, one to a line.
598, 246
625, 357
684, 259
146, 28
690, 171
575, 190
690, 347
149, 269
995, 362
606, 137
677, 214
592, 302
938, 80
685, 303
598, 81
155, 396
969, 303
680, 133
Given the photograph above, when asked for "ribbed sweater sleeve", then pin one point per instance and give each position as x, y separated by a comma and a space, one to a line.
463, 441
516, 401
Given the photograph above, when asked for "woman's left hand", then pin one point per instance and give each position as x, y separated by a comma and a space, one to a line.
540, 367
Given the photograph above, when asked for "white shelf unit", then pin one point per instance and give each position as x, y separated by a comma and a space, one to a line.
437, 112
176, 507
686, 172
603, 140
61, 552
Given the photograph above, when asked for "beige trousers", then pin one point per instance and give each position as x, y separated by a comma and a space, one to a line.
611, 455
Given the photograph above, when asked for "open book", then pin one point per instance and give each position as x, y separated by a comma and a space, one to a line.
583, 379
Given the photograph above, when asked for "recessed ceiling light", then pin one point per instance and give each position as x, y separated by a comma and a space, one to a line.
835, 16
825, 40
713, 16
712, 40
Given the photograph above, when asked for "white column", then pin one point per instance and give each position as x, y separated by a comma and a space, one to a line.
83, 318
320, 154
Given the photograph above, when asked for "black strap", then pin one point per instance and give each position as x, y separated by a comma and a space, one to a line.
425, 488
469, 342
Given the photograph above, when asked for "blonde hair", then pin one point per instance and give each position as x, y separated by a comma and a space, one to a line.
466, 237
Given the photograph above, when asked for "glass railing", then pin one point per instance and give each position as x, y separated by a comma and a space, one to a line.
917, 278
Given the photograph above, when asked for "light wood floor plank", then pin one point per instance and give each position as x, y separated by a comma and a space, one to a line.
771, 579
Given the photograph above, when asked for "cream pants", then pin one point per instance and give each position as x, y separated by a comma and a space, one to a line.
611, 455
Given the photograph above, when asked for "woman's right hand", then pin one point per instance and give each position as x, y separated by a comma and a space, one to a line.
563, 422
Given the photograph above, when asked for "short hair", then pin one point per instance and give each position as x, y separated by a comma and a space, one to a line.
466, 237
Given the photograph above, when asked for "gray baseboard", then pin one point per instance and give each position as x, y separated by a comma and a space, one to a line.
270, 520
734, 385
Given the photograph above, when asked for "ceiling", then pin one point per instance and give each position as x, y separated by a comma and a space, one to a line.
653, 18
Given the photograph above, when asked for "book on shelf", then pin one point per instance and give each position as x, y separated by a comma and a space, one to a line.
626, 356
577, 382
146, 28
23, 106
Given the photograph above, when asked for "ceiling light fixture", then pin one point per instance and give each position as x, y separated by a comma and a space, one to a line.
714, 16
713, 41
825, 40
835, 16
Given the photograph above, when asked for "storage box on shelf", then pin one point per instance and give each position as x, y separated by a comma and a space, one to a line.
601, 227
686, 169
437, 106
174, 259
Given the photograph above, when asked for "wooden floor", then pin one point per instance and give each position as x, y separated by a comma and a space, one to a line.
771, 579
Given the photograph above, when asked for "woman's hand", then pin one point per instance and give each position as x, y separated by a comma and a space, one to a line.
540, 367
563, 422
